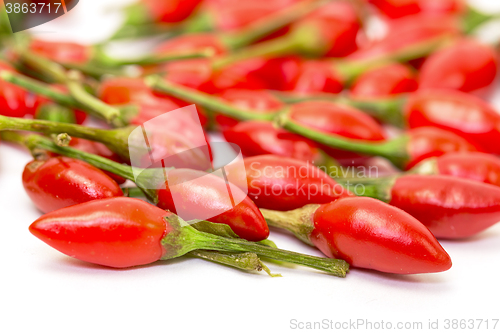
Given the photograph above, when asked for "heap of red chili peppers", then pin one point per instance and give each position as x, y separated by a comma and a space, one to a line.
262, 74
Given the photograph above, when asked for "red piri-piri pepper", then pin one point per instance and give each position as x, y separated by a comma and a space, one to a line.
329, 31
337, 119
133, 91
59, 182
467, 65
385, 81
12, 98
146, 11
458, 112
200, 195
450, 207
262, 138
315, 76
476, 166
127, 232
410, 38
261, 101
404, 151
400, 8
367, 233
281, 183
62, 52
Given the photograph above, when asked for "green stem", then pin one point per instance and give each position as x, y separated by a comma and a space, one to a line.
115, 139
394, 150
378, 188
55, 113
208, 101
81, 99
39, 88
103, 110
474, 18
48, 68
154, 59
298, 221
247, 261
386, 110
185, 238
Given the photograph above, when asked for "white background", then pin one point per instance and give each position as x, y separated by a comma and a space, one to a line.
42, 290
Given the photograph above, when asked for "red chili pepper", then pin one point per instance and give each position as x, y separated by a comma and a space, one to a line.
193, 42
230, 15
418, 33
60, 182
126, 232
329, 31
450, 207
261, 101
207, 195
194, 194
339, 120
316, 76
399, 8
281, 183
385, 81
262, 138
467, 65
458, 112
169, 11
62, 52
367, 233
476, 166
12, 97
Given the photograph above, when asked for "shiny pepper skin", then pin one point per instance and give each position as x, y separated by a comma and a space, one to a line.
425, 142
450, 207
60, 182
467, 66
400, 8
191, 43
468, 116
171, 11
368, 233
62, 52
408, 32
477, 166
316, 76
339, 120
338, 25
281, 183
114, 232
12, 98
260, 101
230, 15
205, 195
262, 138
385, 81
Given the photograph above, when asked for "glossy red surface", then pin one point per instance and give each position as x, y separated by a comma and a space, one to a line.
115, 232
368, 233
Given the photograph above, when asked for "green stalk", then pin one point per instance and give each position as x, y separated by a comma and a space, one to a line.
184, 238
386, 110
56, 113
394, 150
81, 99
378, 188
247, 261
115, 139
208, 101
104, 60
